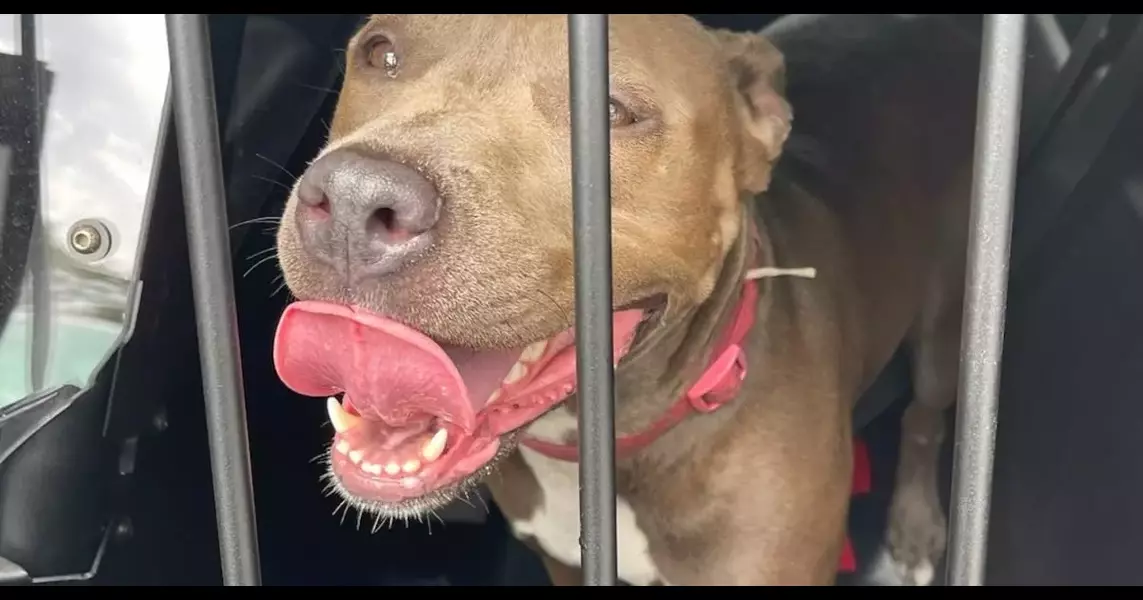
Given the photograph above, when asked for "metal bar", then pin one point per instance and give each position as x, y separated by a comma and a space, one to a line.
196, 124
591, 206
41, 321
982, 336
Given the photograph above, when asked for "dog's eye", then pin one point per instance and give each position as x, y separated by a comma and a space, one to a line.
621, 116
381, 54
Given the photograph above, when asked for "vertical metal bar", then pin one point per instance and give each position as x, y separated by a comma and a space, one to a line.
591, 201
41, 321
994, 180
196, 123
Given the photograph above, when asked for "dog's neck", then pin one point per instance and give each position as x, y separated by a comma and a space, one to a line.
672, 355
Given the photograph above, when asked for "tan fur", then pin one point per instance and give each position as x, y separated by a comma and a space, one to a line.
757, 493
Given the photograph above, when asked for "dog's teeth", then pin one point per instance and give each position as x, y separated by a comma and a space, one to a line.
516, 374
356, 456
494, 397
342, 447
411, 466
533, 352
392, 468
342, 421
435, 446
371, 468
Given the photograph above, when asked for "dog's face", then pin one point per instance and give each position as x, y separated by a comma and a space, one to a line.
431, 240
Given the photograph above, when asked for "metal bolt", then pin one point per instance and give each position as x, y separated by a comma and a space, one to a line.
86, 239
89, 240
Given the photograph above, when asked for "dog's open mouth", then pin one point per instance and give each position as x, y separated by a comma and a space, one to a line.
417, 417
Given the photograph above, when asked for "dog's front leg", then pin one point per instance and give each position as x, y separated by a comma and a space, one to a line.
766, 506
917, 524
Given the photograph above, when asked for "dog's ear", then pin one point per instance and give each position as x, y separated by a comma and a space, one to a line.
758, 75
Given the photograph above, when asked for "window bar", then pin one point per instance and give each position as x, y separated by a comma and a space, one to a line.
994, 180
591, 207
41, 322
196, 124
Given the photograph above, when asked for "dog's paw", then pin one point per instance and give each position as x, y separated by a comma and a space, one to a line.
890, 572
915, 542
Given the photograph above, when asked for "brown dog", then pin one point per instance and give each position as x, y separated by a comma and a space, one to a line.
431, 246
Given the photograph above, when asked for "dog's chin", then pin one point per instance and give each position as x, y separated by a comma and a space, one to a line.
419, 424
359, 490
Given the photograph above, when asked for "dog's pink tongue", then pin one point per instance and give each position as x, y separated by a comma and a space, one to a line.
388, 371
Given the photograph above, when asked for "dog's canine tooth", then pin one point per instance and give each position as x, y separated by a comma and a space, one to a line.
516, 374
342, 421
435, 446
533, 352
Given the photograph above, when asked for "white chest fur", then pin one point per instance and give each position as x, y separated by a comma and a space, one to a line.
555, 524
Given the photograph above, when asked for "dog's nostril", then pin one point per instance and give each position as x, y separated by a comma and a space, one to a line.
385, 225
384, 218
321, 208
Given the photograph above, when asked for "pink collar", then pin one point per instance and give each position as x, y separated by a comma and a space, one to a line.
718, 385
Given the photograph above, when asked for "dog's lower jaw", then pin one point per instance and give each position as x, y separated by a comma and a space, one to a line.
385, 514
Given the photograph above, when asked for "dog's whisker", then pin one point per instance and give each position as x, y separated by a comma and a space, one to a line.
260, 253
516, 332
256, 221
280, 287
263, 261
273, 181
483, 503
562, 311
293, 177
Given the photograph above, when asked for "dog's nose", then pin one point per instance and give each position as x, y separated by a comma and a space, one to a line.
367, 215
